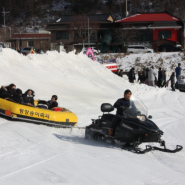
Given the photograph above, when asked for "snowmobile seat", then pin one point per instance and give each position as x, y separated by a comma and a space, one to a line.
107, 107
106, 120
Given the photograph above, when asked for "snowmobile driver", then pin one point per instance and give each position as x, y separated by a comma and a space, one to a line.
121, 105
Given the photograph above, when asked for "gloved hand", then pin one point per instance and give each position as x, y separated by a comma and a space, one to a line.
123, 107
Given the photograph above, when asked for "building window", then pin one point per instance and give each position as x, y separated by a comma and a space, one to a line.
30, 43
165, 34
62, 35
143, 35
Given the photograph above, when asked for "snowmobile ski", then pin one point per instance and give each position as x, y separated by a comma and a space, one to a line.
138, 150
178, 149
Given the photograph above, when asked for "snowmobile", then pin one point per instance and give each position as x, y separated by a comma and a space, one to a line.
134, 129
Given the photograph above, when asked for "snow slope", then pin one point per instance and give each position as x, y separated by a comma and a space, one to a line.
36, 154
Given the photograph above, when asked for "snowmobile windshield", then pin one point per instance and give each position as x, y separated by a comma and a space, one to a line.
136, 109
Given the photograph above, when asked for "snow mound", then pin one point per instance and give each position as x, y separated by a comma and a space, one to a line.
55, 72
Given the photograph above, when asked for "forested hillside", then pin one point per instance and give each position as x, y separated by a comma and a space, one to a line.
35, 13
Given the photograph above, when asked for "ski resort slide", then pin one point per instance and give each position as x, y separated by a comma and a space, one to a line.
38, 154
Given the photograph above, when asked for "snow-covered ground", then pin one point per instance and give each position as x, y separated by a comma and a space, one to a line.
39, 155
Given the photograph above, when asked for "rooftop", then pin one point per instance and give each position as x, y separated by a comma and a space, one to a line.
101, 18
31, 35
149, 17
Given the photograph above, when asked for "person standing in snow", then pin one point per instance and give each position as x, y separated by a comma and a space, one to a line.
160, 78
172, 79
164, 84
146, 76
144, 72
132, 75
151, 77
141, 77
121, 73
178, 70
117, 72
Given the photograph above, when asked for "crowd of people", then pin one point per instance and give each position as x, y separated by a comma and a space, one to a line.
150, 77
14, 94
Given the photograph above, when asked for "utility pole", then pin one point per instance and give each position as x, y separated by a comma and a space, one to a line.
4, 14
126, 9
88, 34
48, 15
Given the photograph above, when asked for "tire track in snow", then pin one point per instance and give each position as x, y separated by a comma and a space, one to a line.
28, 167
166, 164
8, 153
168, 105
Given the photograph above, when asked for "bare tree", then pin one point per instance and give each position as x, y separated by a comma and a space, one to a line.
79, 28
4, 34
124, 34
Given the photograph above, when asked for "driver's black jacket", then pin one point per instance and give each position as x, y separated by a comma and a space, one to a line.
119, 103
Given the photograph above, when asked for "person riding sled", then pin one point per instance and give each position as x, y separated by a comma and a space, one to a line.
18, 97
8, 92
28, 97
48, 104
121, 105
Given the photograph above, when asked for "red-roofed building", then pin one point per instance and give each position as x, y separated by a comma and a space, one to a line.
153, 30
36, 40
149, 17
153, 27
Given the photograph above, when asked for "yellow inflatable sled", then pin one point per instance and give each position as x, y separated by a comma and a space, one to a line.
64, 118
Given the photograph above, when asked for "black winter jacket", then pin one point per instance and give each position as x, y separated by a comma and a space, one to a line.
50, 104
18, 99
7, 93
141, 78
172, 79
11, 94
4, 93
160, 76
28, 99
132, 75
119, 103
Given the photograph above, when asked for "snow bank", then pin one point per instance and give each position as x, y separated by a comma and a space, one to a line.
168, 61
